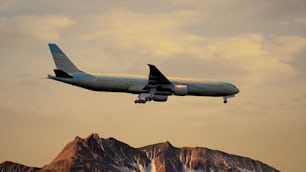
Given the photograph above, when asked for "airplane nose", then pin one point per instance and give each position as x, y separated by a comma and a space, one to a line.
237, 90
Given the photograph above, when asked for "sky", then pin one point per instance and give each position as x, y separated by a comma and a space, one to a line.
260, 46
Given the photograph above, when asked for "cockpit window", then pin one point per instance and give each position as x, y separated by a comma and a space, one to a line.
231, 85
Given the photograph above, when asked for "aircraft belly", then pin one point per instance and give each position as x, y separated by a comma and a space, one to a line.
203, 90
136, 86
88, 83
110, 85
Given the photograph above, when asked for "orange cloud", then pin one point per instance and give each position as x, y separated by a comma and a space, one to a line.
43, 28
165, 36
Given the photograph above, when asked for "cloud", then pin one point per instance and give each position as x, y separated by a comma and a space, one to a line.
229, 18
300, 20
138, 30
5, 4
163, 36
261, 57
26, 28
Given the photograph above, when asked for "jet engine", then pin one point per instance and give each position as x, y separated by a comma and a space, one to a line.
160, 98
180, 90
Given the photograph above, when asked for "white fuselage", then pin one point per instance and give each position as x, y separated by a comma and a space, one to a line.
135, 84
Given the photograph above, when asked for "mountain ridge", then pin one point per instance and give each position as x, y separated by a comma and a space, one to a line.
99, 154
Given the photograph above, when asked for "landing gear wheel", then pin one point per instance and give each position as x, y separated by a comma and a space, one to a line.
225, 101
140, 101
148, 99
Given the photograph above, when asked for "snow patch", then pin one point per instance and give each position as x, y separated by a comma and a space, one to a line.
138, 166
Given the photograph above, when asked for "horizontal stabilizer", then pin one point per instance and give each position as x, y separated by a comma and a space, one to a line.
62, 74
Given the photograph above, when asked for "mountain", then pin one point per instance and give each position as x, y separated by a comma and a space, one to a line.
100, 155
11, 166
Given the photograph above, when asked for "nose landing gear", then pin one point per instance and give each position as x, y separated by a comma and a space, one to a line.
226, 97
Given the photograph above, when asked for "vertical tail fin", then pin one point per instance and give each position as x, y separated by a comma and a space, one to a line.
61, 61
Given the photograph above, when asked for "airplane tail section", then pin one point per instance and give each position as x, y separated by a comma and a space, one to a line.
61, 61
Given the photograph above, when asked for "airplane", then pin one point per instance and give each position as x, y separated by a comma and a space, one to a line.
154, 87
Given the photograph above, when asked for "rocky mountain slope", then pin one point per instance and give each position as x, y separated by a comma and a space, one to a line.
99, 155
11, 166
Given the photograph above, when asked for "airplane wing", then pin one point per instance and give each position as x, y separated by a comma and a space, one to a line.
158, 88
156, 77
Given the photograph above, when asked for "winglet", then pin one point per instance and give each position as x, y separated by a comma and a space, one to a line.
61, 61
156, 77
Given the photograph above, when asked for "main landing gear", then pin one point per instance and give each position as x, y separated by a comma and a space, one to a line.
143, 98
139, 101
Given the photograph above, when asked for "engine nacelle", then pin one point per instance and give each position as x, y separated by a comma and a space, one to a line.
160, 98
180, 90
